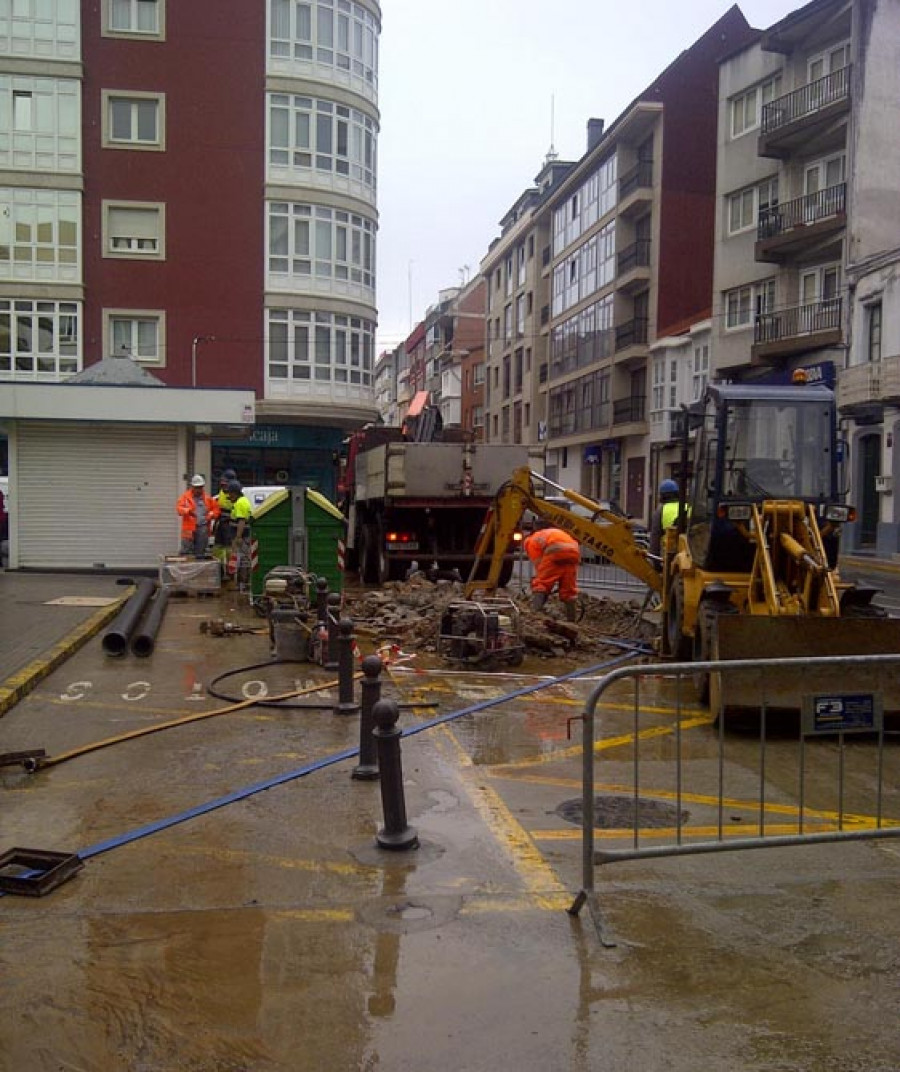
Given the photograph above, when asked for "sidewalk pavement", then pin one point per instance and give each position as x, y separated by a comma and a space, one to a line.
46, 618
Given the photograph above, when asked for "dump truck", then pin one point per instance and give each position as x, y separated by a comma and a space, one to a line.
750, 571
418, 504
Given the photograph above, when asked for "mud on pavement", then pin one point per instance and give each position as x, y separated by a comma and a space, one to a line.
269, 932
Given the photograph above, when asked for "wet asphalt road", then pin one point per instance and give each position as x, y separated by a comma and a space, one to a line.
271, 933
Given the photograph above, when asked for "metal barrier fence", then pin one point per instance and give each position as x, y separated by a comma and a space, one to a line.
826, 790
594, 578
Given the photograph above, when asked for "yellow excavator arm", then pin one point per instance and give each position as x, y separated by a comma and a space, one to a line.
605, 532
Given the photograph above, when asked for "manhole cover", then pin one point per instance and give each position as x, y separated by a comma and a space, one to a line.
614, 813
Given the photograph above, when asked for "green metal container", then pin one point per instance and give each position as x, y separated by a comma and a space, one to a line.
298, 527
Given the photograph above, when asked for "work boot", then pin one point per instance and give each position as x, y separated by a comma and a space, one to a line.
538, 600
571, 609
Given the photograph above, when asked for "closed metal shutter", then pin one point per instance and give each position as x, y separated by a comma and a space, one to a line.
96, 496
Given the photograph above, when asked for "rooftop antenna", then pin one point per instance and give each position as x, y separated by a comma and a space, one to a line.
552, 154
464, 274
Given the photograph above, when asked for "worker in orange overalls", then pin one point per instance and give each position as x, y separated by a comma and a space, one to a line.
197, 511
555, 556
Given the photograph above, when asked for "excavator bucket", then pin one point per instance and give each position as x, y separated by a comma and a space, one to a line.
784, 689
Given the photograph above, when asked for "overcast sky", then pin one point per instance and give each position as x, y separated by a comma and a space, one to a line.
467, 91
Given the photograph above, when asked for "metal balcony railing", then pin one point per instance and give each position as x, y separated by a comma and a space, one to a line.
803, 211
631, 333
806, 100
629, 409
637, 255
798, 320
641, 175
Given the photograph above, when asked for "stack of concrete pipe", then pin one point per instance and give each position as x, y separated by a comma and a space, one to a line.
135, 624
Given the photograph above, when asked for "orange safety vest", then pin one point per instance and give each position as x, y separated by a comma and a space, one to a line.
185, 507
552, 543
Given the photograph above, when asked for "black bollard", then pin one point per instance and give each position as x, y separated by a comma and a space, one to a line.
367, 768
346, 704
396, 833
332, 620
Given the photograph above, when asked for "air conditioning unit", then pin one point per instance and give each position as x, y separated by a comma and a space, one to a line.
884, 484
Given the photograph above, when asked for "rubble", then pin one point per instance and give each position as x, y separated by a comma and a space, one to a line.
409, 612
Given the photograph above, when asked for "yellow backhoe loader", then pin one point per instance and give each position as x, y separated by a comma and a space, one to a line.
750, 570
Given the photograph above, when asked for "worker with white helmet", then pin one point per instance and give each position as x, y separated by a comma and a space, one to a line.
197, 511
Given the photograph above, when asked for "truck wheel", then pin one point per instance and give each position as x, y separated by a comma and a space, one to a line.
707, 618
679, 644
368, 555
382, 562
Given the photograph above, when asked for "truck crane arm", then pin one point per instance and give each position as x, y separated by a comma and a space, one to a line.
605, 532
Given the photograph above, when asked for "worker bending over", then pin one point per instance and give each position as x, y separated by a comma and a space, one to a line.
555, 556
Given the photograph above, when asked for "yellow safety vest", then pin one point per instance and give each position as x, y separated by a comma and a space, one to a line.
670, 514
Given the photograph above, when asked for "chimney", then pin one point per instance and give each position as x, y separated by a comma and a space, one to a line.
594, 132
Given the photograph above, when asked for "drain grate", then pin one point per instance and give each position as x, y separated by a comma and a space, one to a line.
616, 813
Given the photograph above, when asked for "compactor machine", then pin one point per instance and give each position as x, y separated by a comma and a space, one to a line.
750, 571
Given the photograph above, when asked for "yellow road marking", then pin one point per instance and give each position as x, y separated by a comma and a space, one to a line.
606, 744
538, 877
732, 804
689, 833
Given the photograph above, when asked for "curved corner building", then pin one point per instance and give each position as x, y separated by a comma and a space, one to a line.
193, 186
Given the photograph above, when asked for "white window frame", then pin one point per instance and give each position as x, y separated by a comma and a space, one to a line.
826, 59
40, 235
110, 7
751, 300
53, 362
43, 132
110, 97
699, 371
749, 105
135, 252
135, 318
752, 199
45, 30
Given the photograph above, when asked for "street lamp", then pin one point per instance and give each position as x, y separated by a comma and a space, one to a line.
195, 342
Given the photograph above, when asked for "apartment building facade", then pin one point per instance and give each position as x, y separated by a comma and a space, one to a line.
625, 255
517, 306
202, 203
807, 230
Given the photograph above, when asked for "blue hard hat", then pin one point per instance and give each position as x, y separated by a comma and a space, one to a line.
668, 487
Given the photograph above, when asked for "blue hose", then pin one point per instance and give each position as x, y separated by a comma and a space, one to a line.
634, 651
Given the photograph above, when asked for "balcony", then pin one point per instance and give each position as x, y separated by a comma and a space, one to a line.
786, 230
631, 339
793, 119
633, 265
629, 410
871, 385
636, 189
796, 330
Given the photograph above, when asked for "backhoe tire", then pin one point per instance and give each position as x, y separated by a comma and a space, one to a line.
679, 644
707, 618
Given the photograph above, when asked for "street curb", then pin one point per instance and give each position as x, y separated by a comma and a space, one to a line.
18, 686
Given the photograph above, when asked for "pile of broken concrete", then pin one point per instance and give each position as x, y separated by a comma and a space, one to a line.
409, 613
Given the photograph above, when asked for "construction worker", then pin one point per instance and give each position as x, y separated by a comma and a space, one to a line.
555, 556
197, 511
241, 516
223, 530
665, 515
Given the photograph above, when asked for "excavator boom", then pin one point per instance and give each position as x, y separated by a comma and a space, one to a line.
605, 532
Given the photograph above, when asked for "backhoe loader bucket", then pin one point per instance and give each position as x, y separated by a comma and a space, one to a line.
781, 690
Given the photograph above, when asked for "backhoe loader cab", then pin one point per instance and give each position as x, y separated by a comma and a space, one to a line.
757, 444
